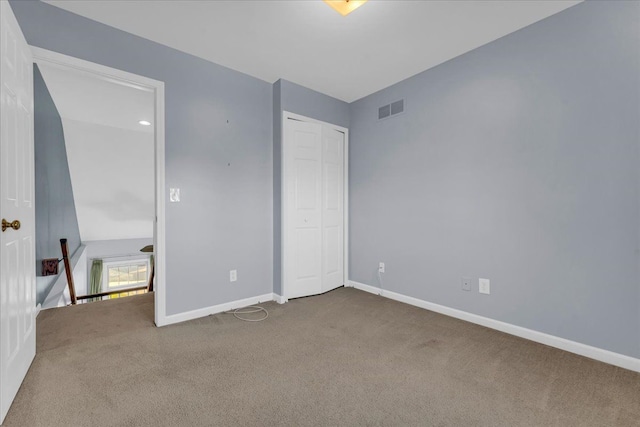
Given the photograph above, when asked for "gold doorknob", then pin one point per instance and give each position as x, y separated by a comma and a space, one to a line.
6, 224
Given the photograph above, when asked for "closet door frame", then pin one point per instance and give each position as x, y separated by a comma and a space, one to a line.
284, 199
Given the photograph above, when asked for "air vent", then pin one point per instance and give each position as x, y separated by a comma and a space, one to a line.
391, 109
397, 107
384, 112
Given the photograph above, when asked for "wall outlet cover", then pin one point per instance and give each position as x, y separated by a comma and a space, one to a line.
466, 283
484, 286
233, 275
381, 267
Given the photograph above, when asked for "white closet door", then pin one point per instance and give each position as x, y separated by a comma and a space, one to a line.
303, 227
332, 208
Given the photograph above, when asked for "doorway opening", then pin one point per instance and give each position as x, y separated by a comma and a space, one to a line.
113, 126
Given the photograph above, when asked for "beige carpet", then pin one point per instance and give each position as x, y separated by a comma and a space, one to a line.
344, 358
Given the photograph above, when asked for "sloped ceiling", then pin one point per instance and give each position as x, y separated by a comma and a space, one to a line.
308, 43
110, 154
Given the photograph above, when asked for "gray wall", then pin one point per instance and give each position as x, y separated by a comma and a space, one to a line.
288, 96
517, 162
218, 151
306, 102
55, 208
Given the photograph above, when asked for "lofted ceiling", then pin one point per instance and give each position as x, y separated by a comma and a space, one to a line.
309, 43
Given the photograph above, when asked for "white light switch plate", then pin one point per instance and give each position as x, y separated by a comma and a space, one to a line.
485, 286
233, 275
174, 195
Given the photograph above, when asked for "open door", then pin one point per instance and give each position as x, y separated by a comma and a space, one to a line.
17, 250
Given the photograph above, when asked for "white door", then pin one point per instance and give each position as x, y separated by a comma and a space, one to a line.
332, 208
303, 185
313, 211
17, 251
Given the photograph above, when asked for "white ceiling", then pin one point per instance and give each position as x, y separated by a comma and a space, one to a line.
85, 98
307, 42
110, 154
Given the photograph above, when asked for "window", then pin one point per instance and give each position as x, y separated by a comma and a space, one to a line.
123, 275
130, 275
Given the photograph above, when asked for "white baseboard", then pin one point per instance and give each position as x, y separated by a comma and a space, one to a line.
596, 353
215, 309
279, 299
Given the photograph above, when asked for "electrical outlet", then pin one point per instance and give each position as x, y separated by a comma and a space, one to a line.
233, 275
466, 284
484, 285
381, 267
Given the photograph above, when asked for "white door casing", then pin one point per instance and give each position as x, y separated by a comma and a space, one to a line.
17, 249
55, 59
314, 203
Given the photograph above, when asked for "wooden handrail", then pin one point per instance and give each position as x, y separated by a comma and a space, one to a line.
104, 294
67, 269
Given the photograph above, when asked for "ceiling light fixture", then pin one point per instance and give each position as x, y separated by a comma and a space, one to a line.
345, 7
144, 123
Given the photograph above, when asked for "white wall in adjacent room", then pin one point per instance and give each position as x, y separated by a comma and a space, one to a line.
112, 173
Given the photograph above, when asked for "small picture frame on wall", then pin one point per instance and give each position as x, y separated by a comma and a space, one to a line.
50, 267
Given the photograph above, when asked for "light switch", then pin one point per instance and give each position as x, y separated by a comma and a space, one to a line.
174, 195
484, 286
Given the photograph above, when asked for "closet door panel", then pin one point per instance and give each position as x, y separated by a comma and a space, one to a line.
303, 231
332, 208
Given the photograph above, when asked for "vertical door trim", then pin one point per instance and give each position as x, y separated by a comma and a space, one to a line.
50, 58
284, 256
